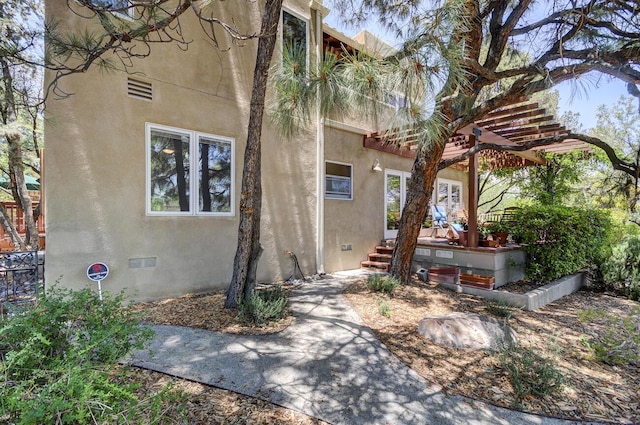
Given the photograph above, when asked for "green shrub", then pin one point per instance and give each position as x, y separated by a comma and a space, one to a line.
383, 308
380, 283
264, 306
559, 241
621, 270
502, 309
57, 360
590, 314
530, 374
619, 343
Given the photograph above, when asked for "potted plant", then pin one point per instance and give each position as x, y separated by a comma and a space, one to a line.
500, 231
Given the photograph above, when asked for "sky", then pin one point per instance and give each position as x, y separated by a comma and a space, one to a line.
599, 91
583, 98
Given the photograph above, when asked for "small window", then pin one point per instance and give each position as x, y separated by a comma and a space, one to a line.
119, 7
396, 100
295, 38
338, 181
172, 154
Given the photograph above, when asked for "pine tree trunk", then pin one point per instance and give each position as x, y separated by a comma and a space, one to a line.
249, 250
16, 168
423, 176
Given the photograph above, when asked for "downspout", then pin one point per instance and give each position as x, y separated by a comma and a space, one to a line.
319, 11
320, 158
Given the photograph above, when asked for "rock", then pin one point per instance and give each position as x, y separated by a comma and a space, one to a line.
473, 331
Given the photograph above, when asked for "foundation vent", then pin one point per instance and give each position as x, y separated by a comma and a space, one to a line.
139, 89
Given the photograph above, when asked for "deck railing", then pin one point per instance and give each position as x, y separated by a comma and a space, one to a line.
16, 216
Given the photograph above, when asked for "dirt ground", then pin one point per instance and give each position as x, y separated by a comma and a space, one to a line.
592, 391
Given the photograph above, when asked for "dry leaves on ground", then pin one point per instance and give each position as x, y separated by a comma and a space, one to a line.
593, 390
215, 406
204, 311
205, 404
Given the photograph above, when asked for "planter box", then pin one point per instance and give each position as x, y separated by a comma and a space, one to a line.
486, 243
444, 274
477, 281
501, 237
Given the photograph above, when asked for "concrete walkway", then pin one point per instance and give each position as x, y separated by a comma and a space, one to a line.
326, 364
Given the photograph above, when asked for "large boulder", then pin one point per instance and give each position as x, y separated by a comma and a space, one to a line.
469, 331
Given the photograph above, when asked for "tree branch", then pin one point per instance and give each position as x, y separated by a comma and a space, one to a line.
500, 33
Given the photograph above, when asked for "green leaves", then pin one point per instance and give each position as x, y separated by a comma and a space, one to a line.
380, 283
621, 270
619, 342
57, 359
264, 306
560, 241
531, 375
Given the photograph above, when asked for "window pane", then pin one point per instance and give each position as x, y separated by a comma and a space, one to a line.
215, 176
393, 202
169, 171
337, 181
119, 7
294, 36
456, 198
443, 194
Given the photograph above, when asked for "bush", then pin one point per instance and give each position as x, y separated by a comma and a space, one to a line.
264, 306
620, 341
560, 241
531, 375
502, 309
380, 283
57, 360
621, 270
384, 308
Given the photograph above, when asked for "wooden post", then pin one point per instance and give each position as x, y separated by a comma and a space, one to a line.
472, 201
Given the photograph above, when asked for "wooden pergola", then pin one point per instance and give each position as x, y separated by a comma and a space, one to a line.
513, 125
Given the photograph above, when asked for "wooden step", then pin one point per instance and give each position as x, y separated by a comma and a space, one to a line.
375, 265
384, 249
380, 257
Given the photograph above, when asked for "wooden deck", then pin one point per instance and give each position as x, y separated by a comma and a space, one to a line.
505, 264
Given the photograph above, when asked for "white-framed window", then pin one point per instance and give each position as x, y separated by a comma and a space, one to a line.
295, 34
172, 187
119, 7
338, 180
396, 100
449, 195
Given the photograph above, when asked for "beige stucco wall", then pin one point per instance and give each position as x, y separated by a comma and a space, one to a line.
95, 176
358, 222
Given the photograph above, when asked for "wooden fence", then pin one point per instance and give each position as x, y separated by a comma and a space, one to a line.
16, 215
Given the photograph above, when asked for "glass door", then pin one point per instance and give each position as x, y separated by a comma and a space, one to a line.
449, 196
396, 185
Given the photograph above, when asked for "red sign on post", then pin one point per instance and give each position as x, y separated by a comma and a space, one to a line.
97, 271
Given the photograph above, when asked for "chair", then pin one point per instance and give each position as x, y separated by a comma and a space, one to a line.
439, 218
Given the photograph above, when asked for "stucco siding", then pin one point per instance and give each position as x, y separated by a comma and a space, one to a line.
358, 222
96, 181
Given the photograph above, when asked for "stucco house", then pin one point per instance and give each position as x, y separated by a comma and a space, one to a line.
127, 152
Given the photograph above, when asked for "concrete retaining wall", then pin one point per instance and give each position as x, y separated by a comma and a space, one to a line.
532, 300
506, 265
